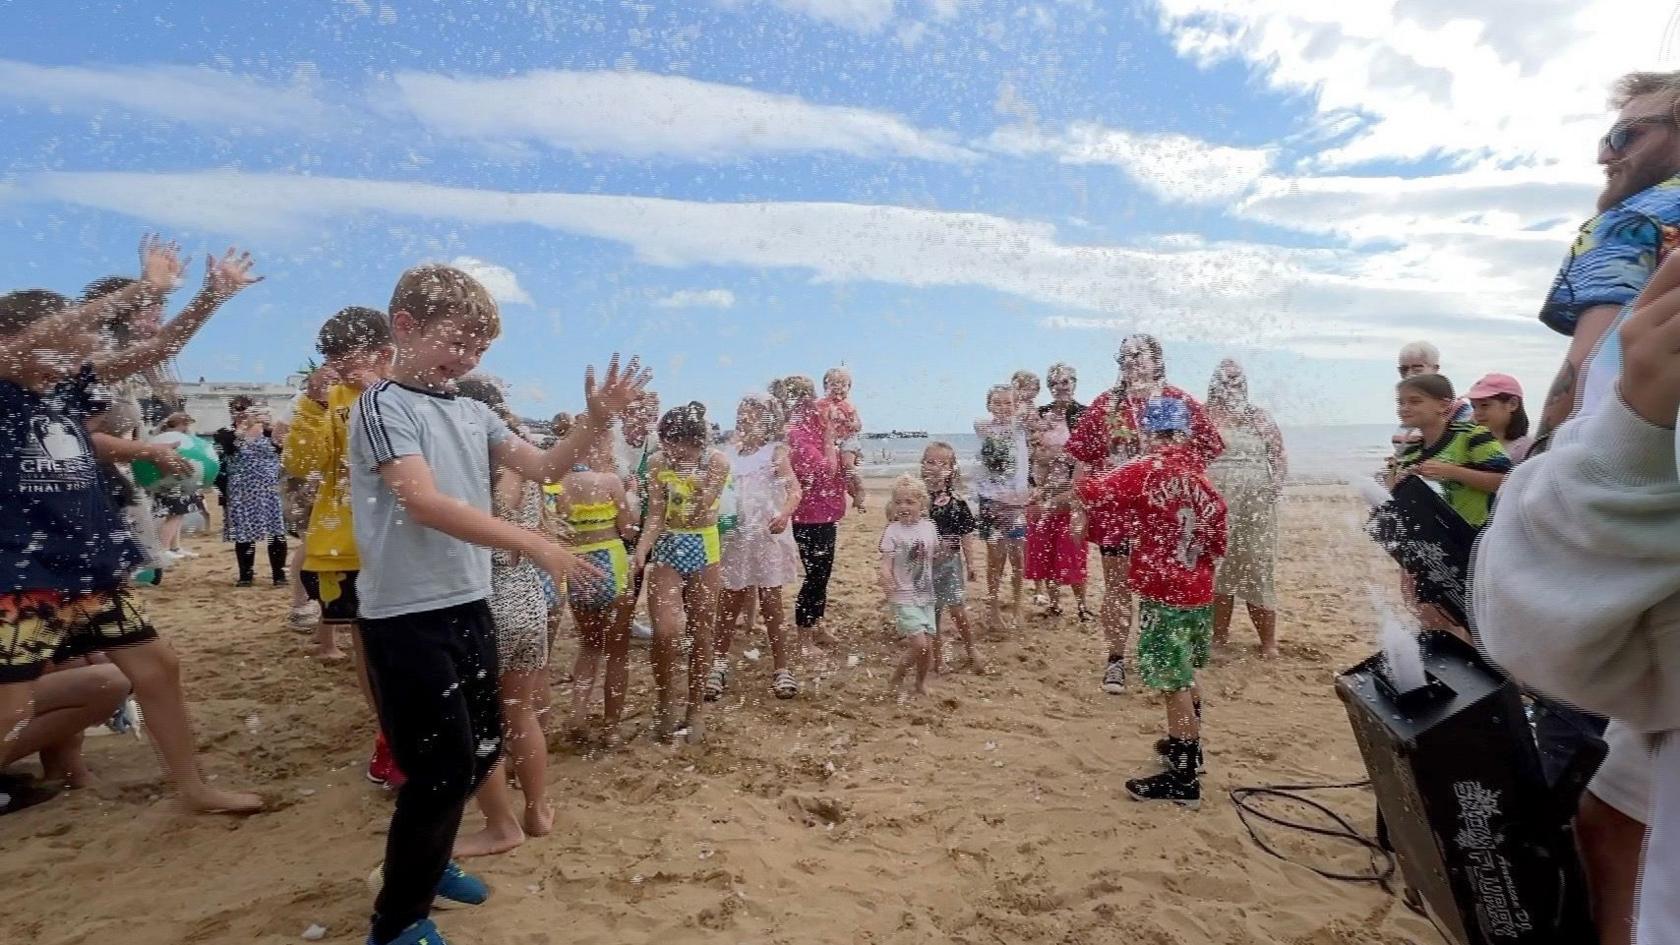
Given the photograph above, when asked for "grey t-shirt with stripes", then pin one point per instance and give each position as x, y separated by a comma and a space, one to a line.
406, 567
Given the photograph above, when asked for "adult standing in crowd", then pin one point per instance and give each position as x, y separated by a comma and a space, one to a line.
1249, 476
1576, 592
1418, 358
1109, 433
1606, 268
822, 503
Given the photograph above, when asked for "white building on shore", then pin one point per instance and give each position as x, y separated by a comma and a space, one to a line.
207, 401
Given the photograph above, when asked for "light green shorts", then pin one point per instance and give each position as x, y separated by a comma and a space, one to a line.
1174, 642
914, 619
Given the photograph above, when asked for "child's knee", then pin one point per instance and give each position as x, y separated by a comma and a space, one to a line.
157, 667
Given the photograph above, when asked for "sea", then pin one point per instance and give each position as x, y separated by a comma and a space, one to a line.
1318, 455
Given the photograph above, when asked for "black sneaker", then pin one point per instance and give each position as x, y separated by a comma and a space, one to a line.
1185, 791
1114, 676
244, 582
1163, 748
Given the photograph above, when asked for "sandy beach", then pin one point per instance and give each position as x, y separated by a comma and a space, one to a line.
990, 812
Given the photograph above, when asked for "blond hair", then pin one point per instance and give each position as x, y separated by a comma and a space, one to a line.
908, 483
1022, 376
793, 390
835, 372
1637, 84
956, 486
997, 389
434, 292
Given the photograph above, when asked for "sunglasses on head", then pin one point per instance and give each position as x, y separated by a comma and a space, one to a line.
1623, 133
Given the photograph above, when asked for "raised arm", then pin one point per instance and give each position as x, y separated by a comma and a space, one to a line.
608, 400
223, 279
160, 269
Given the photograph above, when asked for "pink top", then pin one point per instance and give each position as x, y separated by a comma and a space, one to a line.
817, 469
843, 419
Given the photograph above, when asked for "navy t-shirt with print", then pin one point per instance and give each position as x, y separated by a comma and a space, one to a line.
59, 530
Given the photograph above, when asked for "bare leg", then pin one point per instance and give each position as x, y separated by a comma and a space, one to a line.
1611, 844
995, 558
1079, 599
169, 533
731, 606
916, 650
1117, 604
617, 683
1016, 548
924, 662
155, 672
1265, 623
591, 627
326, 638
700, 599
64, 703
1182, 722
527, 750
957, 615
501, 831
665, 606
1223, 605
294, 566
775, 625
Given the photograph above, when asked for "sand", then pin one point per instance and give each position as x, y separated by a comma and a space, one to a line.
992, 811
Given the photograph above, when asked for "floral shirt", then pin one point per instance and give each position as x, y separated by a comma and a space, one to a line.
1612, 258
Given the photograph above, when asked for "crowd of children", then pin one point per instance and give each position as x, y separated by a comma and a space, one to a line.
438, 541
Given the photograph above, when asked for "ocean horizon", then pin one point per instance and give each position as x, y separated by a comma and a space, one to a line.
1318, 454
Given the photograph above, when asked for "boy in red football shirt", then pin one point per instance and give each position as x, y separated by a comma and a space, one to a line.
1163, 504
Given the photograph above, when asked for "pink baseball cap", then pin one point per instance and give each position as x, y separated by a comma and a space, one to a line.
1493, 385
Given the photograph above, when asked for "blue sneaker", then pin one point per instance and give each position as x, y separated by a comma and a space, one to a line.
457, 888
424, 932
460, 888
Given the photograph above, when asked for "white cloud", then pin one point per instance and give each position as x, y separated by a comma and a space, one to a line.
501, 281
641, 114
191, 94
1233, 293
1174, 167
697, 298
1517, 81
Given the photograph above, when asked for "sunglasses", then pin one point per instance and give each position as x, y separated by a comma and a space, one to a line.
1063, 382
1407, 370
1623, 133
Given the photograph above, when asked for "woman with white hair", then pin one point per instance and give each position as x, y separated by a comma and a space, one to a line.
1249, 476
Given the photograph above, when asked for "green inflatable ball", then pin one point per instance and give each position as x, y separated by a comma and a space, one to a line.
198, 452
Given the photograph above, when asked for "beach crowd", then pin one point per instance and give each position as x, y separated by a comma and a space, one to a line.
437, 540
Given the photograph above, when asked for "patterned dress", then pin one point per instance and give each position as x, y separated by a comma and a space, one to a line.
516, 594
254, 511
1244, 478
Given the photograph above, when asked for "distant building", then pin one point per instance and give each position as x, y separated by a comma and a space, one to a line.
207, 401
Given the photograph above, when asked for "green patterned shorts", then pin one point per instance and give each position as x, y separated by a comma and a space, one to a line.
1173, 644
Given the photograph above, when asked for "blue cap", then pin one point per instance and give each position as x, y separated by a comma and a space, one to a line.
1166, 415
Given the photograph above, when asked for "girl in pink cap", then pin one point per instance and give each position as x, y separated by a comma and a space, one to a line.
1497, 401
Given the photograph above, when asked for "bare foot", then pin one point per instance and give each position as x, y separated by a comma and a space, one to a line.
694, 727
489, 841
334, 655
664, 726
823, 637
1269, 652
975, 666
538, 820
209, 800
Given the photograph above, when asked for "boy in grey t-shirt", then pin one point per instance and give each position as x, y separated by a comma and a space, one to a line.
420, 479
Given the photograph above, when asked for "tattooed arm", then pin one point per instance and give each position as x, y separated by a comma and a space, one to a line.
1560, 399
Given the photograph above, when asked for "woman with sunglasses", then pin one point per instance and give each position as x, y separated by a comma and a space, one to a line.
1109, 434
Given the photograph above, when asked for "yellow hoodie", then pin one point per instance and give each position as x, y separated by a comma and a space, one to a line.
318, 447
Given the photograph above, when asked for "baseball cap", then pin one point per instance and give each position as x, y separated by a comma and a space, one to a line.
1166, 415
1493, 385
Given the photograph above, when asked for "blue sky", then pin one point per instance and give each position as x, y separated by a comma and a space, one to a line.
934, 192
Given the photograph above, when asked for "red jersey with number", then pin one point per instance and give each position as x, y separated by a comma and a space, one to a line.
1163, 506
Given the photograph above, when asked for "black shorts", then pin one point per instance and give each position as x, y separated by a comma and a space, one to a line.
1123, 550
341, 609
